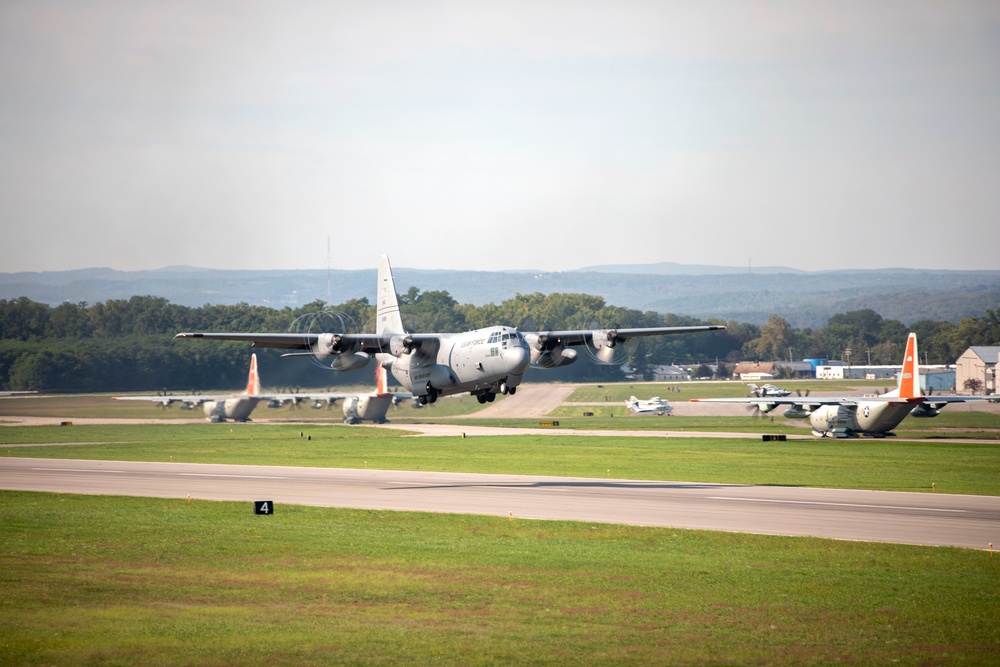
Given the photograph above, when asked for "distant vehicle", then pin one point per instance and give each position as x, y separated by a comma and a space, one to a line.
484, 362
238, 407
851, 416
767, 390
655, 405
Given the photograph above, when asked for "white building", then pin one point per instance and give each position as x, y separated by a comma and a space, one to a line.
979, 362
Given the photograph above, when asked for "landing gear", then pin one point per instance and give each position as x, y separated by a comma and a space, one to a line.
486, 397
431, 397
505, 389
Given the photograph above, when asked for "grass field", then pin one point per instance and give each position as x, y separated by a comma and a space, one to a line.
131, 581
857, 464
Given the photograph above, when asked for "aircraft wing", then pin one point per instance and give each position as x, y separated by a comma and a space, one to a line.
167, 399
588, 336
813, 402
323, 342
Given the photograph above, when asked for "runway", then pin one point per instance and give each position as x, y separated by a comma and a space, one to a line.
878, 516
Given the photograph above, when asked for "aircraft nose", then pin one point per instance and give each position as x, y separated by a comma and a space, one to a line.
519, 357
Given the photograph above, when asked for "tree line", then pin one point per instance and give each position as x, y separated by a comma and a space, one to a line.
127, 345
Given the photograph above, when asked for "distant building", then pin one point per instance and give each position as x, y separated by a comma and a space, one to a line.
979, 362
845, 372
670, 374
751, 371
799, 369
937, 379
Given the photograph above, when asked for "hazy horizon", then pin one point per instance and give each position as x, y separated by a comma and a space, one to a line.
544, 136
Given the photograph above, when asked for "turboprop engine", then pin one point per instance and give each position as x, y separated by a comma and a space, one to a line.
604, 344
797, 412
345, 356
559, 356
925, 410
546, 353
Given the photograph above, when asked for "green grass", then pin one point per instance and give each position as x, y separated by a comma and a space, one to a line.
123, 581
893, 465
621, 391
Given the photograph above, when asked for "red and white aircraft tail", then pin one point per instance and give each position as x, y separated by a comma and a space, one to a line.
909, 377
381, 380
253, 379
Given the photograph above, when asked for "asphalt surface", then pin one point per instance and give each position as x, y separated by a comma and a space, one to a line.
910, 518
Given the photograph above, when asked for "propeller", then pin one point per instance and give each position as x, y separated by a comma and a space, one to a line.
799, 393
325, 321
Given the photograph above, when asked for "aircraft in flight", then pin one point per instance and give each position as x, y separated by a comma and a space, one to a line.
237, 407
484, 362
655, 405
871, 415
767, 390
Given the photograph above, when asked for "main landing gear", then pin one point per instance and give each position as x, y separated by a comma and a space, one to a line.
430, 397
490, 396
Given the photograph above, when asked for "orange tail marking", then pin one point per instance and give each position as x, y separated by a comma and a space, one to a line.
381, 381
253, 380
909, 380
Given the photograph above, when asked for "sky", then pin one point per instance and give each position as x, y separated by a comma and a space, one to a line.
536, 135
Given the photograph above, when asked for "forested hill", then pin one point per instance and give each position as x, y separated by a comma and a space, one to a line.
805, 299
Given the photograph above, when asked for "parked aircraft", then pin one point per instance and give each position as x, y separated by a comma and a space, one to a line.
655, 405
850, 416
237, 407
766, 390
484, 362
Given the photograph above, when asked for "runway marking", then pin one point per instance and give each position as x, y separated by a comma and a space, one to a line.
119, 472
815, 502
210, 474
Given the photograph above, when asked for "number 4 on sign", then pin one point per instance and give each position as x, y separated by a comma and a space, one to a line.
263, 507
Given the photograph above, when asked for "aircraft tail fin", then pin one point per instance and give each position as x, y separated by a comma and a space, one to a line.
388, 319
909, 378
253, 379
381, 381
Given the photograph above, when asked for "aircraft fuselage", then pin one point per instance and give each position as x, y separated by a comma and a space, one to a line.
236, 408
874, 417
483, 362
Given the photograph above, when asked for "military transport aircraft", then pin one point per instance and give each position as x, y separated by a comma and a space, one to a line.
850, 416
237, 407
655, 405
484, 362
767, 390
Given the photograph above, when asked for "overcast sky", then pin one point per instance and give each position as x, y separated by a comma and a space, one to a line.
499, 135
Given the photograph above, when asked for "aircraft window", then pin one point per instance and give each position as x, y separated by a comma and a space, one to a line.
506, 337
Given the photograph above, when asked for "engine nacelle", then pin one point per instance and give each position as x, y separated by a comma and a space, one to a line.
797, 412
553, 358
604, 345
349, 361
924, 410
400, 345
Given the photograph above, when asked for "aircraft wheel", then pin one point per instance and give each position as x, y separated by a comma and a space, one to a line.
491, 397
422, 400
503, 388
512, 391
481, 398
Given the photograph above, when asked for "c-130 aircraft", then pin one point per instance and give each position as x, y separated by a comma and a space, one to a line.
484, 362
